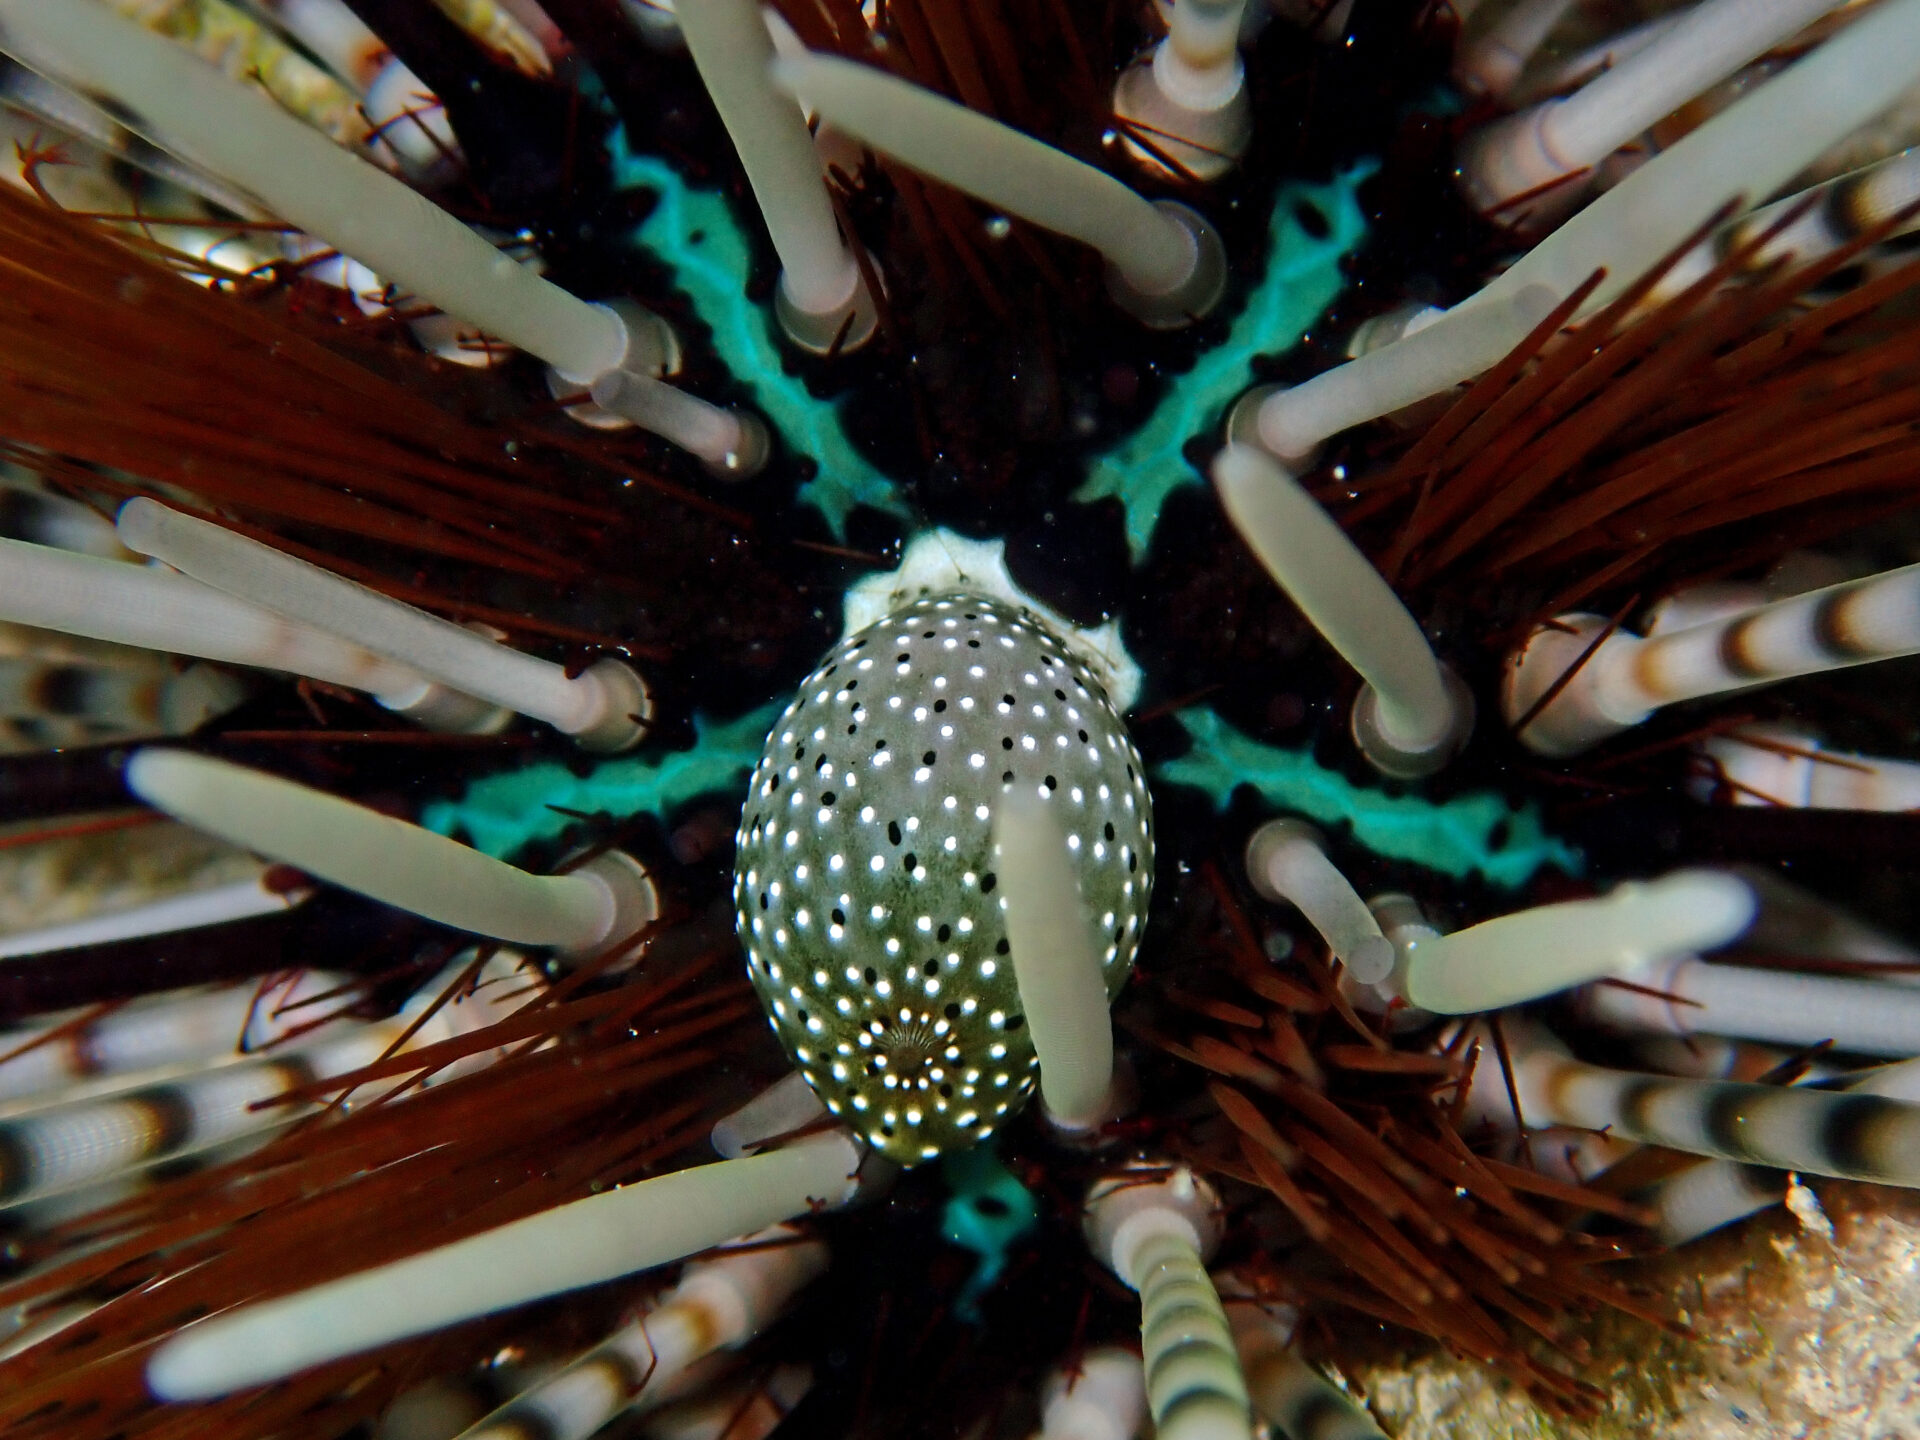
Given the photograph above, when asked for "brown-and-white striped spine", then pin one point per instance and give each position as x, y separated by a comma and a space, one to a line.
719, 1304
1615, 681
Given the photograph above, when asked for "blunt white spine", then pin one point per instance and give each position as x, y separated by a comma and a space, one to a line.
1549, 948
1843, 210
1410, 718
189, 910
787, 1105
1752, 148
1431, 353
730, 443
1056, 963
196, 1026
606, 707
313, 184
1689, 995
1101, 1396
1287, 864
1492, 60
309, 181
600, 904
155, 609
1165, 264
1561, 138
583, 1243
822, 302
1189, 95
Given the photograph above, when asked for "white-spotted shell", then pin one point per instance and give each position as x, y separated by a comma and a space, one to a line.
865, 882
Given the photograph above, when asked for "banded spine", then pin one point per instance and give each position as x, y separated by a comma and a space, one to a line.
1194, 1385
1154, 1232
719, 1304
1302, 1404
1783, 765
1609, 682
1851, 1136
64, 1146
196, 1026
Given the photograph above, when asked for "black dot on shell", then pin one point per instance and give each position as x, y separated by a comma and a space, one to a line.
952, 1012
1006, 742
927, 759
939, 706
1002, 948
839, 916
1014, 1022
944, 934
871, 974
931, 968
987, 882
893, 831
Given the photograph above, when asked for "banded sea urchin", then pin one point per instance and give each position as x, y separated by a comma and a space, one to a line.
1700, 406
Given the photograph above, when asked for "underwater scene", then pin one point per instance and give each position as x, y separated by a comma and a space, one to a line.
956, 720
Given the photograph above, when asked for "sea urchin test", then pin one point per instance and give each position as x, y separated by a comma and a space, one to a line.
866, 888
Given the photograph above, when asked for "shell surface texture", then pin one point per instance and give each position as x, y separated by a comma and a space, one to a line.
865, 886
